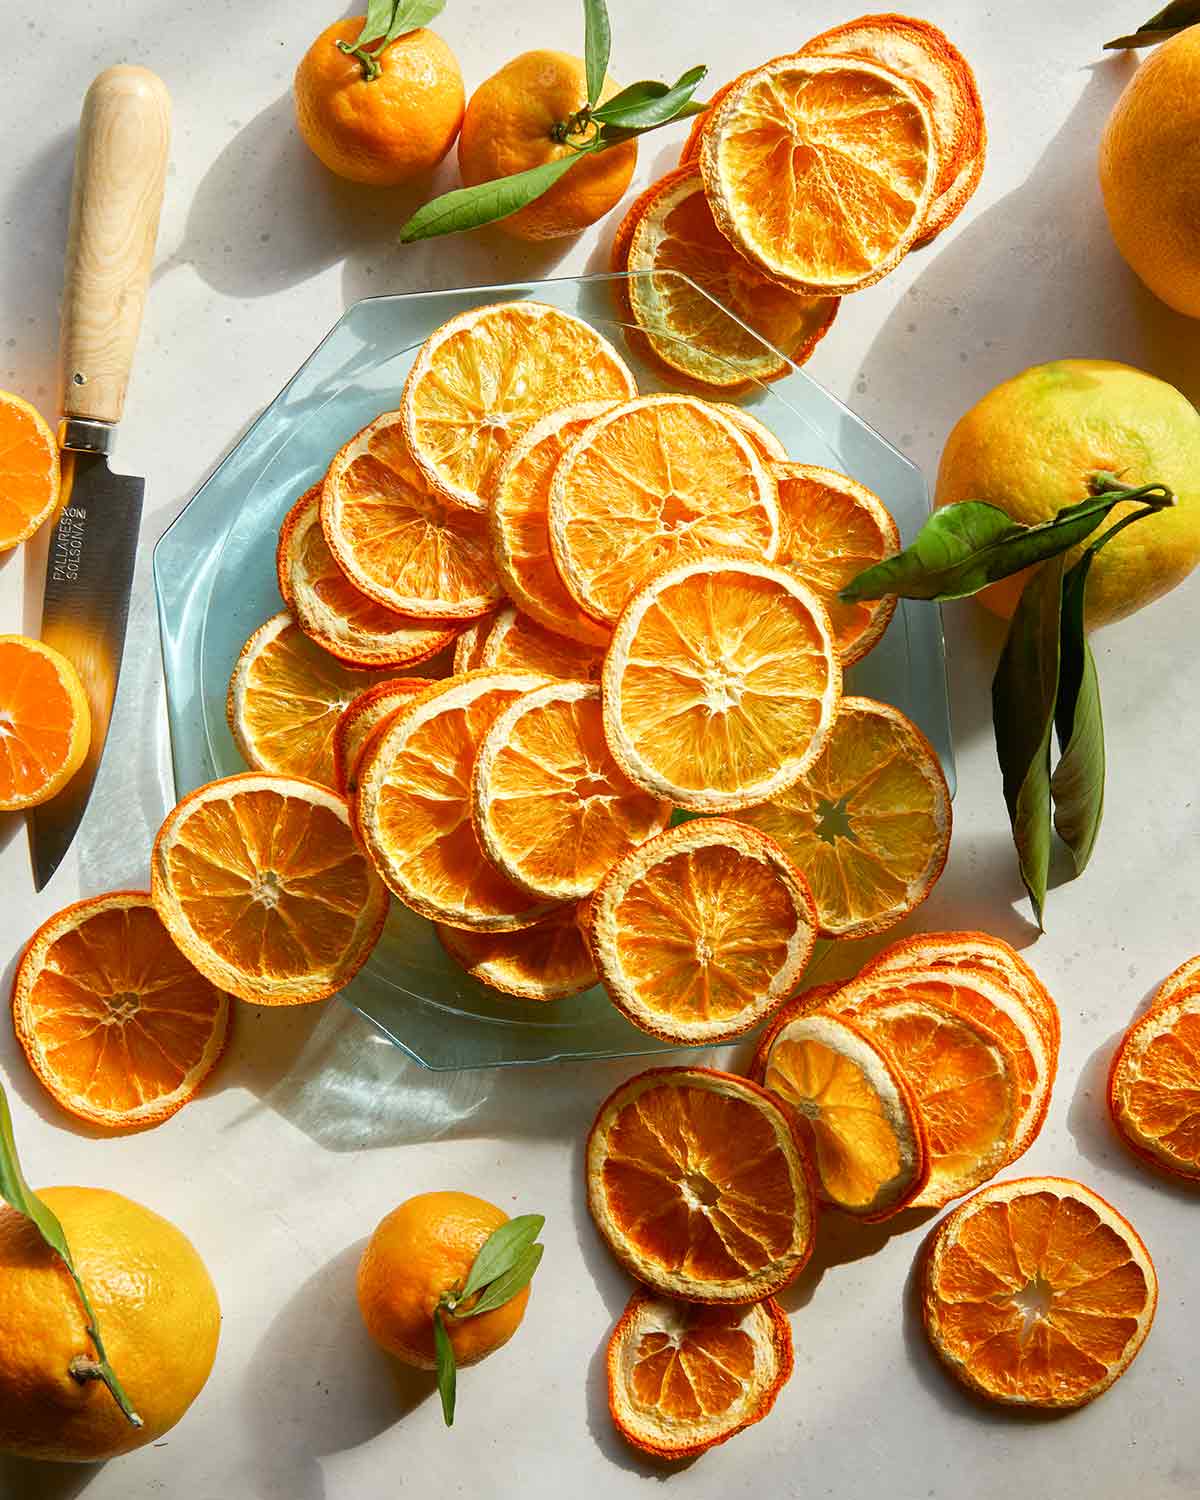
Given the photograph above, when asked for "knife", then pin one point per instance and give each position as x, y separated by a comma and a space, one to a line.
120, 172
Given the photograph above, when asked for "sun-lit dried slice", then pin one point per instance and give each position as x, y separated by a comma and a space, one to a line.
1037, 1292
45, 722
702, 931
721, 683
552, 808
468, 648
1154, 1084
868, 822
1185, 977
766, 444
821, 170
547, 961
261, 884
653, 482
481, 380
691, 146
515, 643
683, 1378
117, 1025
699, 1183
361, 719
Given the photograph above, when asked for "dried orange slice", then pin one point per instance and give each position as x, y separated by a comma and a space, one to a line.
481, 380
682, 1378
285, 698
868, 822
119, 1027
520, 526
1180, 979
261, 884
821, 170
547, 961
654, 482
1037, 1292
720, 684
29, 471
45, 722
515, 643
691, 146
767, 445
699, 1184
331, 611
856, 1110
1154, 1085
701, 932
414, 805
830, 528
468, 648
552, 809
359, 721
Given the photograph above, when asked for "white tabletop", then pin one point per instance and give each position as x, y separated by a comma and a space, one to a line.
314, 1127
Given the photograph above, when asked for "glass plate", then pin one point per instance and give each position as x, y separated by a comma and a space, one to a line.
214, 572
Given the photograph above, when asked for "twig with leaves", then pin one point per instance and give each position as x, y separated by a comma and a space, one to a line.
385, 21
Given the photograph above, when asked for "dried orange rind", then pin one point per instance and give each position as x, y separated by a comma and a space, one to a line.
548, 961
1154, 1083
359, 721
517, 643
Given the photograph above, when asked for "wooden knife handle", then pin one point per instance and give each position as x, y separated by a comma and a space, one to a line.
120, 172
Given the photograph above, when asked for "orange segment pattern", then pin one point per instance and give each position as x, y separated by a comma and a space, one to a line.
29, 471
41, 723
515, 643
699, 1372
1154, 1090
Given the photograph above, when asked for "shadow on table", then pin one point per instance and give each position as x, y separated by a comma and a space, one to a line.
25, 1479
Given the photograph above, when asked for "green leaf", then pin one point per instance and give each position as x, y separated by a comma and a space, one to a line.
1077, 785
1177, 16
411, 14
597, 45
509, 1283
375, 26
634, 93
471, 207
652, 110
447, 1370
501, 1251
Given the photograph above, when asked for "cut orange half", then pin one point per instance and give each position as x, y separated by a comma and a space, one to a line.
29, 471
261, 884
868, 822
701, 932
1037, 1292
516, 643
1154, 1085
481, 380
552, 808
821, 170
547, 961
45, 722
117, 1025
682, 1378
654, 482
359, 721
721, 684
699, 1184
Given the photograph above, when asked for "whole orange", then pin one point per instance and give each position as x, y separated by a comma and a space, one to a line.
387, 129
422, 1250
511, 124
158, 1315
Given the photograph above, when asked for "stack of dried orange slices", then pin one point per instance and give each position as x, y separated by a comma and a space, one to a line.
806, 178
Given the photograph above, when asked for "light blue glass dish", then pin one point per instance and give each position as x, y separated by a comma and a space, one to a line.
214, 572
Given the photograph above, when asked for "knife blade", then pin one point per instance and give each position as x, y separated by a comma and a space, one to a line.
116, 198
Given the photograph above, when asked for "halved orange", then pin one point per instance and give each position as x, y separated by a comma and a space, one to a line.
468, 648
868, 822
547, 961
359, 721
481, 380
414, 805
552, 808
261, 884
699, 1184
1154, 1085
29, 471
45, 722
1037, 1292
764, 441
821, 170
857, 1111
654, 482
683, 1378
702, 931
118, 1026
831, 528
516, 643
336, 615
721, 683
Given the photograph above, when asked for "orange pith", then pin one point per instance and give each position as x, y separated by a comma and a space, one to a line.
118, 1026
45, 722
1154, 1084
515, 643
547, 961
29, 471
697, 1181
361, 719
1038, 1293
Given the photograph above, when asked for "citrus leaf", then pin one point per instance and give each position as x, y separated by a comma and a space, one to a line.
1077, 785
447, 1370
597, 45
634, 93
375, 26
1175, 17
411, 14
652, 110
471, 207
500, 1252
509, 1283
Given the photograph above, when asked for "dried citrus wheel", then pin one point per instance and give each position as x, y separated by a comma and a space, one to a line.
468, 648
1180, 979
515, 643
764, 441
860, 1117
1038, 1293
45, 722
547, 961
119, 1027
654, 482
683, 1378
520, 527
699, 1183
1154, 1085
701, 932
259, 881
285, 698
414, 805
868, 822
830, 528
359, 721
721, 683
29, 471
552, 809
481, 380
335, 614
820, 170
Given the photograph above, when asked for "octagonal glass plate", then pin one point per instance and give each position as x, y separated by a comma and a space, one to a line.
214, 571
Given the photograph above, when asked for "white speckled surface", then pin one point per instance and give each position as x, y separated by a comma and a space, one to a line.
313, 1128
